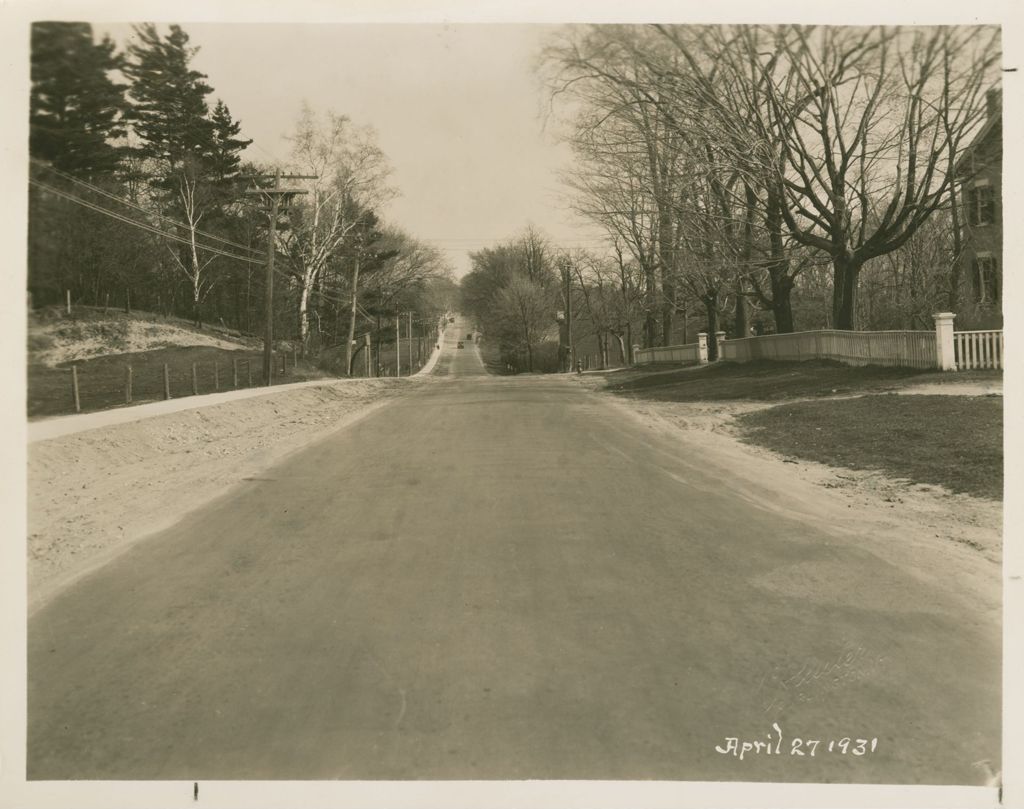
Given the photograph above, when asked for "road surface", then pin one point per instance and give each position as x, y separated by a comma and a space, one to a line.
502, 578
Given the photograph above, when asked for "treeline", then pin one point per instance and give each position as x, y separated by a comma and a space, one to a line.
771, 178
542, 306
140, 198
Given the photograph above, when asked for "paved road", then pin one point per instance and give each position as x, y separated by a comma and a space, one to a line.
499, 578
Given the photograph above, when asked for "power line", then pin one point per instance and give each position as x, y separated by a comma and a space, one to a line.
137, 207
267, 152
135, 223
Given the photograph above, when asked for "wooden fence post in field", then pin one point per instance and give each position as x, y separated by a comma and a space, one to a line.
67, 298
167, 382
195, 380
74, 388
234, 366
295, 357
106, 303
128, 384
284, 363
216, 375
248, 368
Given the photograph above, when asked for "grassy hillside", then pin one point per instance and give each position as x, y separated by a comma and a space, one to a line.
102, 345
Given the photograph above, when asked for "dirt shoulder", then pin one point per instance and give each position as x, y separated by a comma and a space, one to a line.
925, 525
93, 494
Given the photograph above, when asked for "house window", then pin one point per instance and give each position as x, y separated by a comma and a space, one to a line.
981, 205
986, 279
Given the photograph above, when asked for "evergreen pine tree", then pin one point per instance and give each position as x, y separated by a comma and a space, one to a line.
227, 146
192, 156
170, 111
75, 108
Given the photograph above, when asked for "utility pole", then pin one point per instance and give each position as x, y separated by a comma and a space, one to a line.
408, 333
398, 344
567, 281
275, 196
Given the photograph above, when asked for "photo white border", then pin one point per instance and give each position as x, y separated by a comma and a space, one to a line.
15, 16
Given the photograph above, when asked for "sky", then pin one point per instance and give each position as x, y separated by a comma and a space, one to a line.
457, 108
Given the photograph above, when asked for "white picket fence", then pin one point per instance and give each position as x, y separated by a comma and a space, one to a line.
942, 348
681, 353
978, 349
906, 349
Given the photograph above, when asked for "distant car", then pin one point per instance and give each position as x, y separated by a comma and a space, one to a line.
460, 344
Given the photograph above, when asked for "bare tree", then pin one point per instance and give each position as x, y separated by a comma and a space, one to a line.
843, 139
523, 310
351, 175
628, 180
609, 293
864, 121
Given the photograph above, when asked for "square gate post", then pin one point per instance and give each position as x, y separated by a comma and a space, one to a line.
945, 351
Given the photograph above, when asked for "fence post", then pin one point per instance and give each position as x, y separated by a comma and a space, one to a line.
195, 381
234, 368
67, 297
167, 383
216, 376
945, 353
248, 369
719, 339
128, 384
74, 388
702, 347
284, 363
636, 348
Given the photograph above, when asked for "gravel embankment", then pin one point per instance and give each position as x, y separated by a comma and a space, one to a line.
94, 493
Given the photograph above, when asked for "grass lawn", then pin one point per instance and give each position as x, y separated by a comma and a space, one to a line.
768, 380
101, 380
952, 441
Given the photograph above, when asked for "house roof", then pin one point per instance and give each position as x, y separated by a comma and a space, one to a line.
993, 120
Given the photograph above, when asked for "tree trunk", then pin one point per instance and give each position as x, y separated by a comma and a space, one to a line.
711, 305
956, 265
782, 304
740, 321
667, 311
622, 349
303, 317
376, 339
352, 320
778, 269
650, 321
844, 292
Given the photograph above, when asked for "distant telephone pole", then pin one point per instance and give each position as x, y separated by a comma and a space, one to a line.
274, 196
398, 345
567, 281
